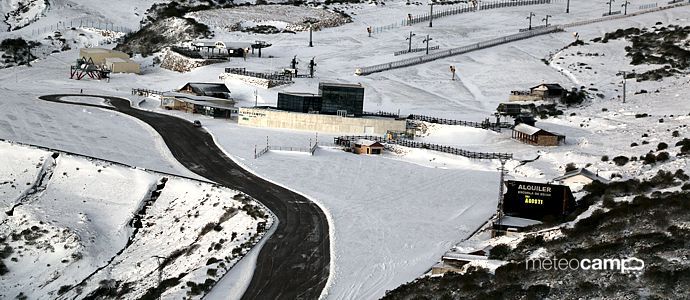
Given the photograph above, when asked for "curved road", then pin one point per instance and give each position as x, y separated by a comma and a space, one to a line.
294, 261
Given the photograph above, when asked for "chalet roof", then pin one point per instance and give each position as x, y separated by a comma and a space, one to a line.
549, 86
206, 87
582, 171
527, 129
368, 143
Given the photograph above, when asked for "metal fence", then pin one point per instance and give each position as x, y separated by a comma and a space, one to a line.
346, 141
263, 151
648, 6
146, 92
455, 51
414, 50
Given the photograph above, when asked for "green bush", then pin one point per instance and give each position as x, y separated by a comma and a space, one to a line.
620, 160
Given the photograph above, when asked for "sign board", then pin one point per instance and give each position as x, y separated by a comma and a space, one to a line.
534, 201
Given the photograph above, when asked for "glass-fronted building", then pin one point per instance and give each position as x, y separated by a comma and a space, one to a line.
340, 97
299, 102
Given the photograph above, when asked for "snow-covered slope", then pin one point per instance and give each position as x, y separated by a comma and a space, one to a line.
87, 224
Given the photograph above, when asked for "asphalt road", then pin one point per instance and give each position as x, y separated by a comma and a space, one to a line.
294, 261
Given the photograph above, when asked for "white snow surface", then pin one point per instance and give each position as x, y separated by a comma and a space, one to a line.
77, 225
393, 215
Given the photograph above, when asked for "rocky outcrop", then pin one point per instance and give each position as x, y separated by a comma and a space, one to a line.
179, 63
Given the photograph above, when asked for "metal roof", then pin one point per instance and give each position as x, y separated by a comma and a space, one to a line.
582, 171
351, 85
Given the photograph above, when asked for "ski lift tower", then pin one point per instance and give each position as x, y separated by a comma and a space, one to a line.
86, 67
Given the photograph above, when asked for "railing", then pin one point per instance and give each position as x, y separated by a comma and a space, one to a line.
263, 151
268, 76
381, 114
146, 92
414, 50
79, 23
346, 141
455, 51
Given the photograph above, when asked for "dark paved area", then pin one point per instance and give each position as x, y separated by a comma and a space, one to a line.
294, 261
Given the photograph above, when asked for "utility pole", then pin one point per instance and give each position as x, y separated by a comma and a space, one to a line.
624, 73
312, 64
427, 40
409, 48
610, 3
531, 14
499, 208
547, 20
567, 7
625, 5
431, 15
310, 35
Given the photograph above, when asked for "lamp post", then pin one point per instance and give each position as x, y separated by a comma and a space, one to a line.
610, 3
567, 7
625, 6
625, 75
431, 14
409, 48
531, 14
547, 20
427, 40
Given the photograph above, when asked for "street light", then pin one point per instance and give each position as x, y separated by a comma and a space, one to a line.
567, 8
625, 5
409, 49
431, 14
531, 14
427, 40
547, 20
610, 3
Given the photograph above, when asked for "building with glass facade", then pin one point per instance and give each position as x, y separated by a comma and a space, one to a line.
299, 102
342, 97
333, 99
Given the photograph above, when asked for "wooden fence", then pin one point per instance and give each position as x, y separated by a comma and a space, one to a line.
483, 125
269, 76
346, 141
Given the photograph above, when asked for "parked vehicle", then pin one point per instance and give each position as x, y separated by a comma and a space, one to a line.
197, 123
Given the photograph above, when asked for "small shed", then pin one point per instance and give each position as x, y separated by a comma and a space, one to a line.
122, 65
548, 91
579, 177
536, 136
367, 147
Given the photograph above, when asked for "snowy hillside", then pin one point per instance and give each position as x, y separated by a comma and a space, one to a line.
392, 216
78, 227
